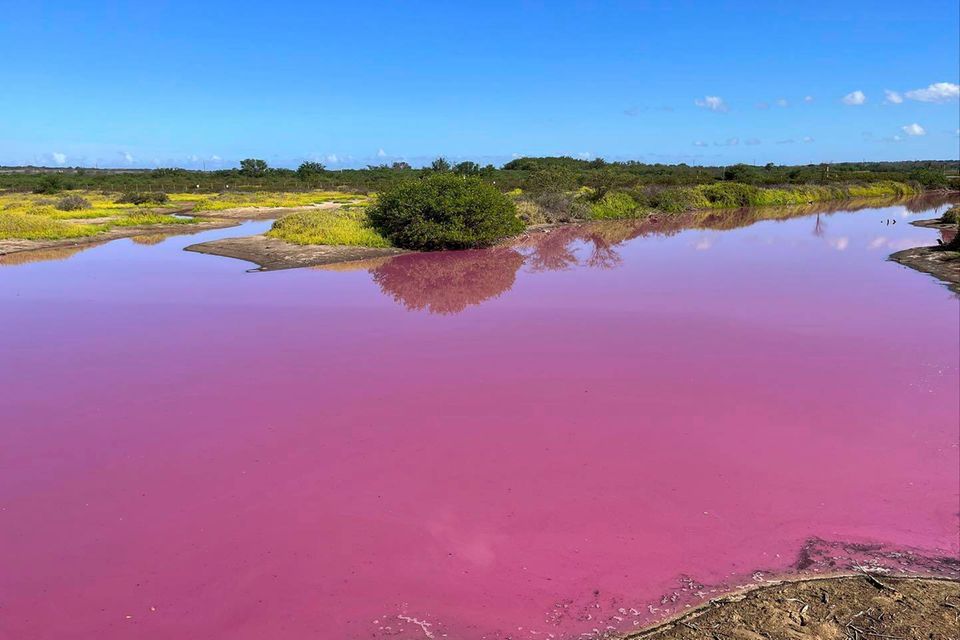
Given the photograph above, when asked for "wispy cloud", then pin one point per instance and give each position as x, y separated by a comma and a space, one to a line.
892, 97
783, 102
729, 142
381, 153
936, 92
808, 99
787, 141
854, 98
806, 140
713, 103
700, 143
914, 130
59, 158
752, 141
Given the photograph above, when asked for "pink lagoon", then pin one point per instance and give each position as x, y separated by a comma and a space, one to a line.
572, 436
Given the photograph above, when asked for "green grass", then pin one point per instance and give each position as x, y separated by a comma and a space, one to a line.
349, 227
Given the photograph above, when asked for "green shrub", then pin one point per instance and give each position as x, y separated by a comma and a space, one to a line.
724, 195
615, 206
929, 178
138, 198
72, 203
678, 200
49, 185
557, 206
444, 211
881, 188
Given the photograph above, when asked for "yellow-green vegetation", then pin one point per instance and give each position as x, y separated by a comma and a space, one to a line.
616, 206
25, 226
344, 226
879, 189
28, 216
272, 199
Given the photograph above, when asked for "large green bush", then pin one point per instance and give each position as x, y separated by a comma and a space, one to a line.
444, 211
615, 206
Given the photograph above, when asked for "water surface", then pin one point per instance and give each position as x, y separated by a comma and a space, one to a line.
578, 434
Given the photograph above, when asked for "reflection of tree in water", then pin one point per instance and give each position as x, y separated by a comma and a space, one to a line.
449, 281
556, 249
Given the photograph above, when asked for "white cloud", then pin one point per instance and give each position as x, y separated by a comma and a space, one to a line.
892, 97
808, 99
937, 92
807, 139
713, 103
700, 143
584, 155
914, 130
854, 98
127, 156
332, 158
782, 102
215, 158
59, 158
381, 153
730, 142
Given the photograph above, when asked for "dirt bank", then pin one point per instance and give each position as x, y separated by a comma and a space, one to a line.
271, 254
205, 224
942, 264
854, 607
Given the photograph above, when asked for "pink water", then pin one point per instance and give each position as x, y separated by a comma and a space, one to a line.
577, 435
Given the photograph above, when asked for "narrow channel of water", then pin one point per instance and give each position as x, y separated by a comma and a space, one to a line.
582, 433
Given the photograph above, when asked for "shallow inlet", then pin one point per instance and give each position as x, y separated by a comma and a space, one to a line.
580, 434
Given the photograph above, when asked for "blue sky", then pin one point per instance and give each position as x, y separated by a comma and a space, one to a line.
349, 83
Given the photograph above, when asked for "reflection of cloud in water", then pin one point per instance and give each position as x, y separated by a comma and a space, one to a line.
703, 243
448, 281
839, 243
882, 242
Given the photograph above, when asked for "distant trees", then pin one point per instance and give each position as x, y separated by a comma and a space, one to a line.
929, 178
253, 167
307, 170
440, 165
400, 166
742, 173
467, 168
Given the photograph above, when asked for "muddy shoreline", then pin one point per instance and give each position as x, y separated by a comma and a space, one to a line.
8, 247
942, 264
855, 606
272, 254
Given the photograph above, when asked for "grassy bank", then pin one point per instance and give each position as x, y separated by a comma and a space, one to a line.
75, 214
345, 226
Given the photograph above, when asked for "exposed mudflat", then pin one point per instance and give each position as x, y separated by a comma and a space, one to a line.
857, 607
272, 254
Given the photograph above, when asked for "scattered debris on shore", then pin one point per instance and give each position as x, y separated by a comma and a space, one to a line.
852, 607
